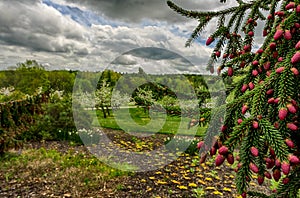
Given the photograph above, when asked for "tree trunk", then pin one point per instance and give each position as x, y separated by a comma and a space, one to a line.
107, 109
103, 110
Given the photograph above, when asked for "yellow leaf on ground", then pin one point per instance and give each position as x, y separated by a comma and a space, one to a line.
148, 189
217, 193
217, 177
201, 176
161, 182
208, 179
192, 185
210, 188
202, 182
227, 189
182, 187
175, 182
174, 174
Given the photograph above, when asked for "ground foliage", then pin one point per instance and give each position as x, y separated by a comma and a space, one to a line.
60, 169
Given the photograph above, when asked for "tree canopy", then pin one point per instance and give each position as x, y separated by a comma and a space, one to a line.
262, 121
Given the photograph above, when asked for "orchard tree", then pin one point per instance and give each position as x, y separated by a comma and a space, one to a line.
103, 98
145, 97
262, 122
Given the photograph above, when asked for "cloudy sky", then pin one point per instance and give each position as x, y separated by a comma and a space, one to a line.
93, 34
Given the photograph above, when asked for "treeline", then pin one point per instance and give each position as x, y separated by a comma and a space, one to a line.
31, 77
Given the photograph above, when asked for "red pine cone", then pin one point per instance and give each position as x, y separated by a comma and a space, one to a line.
209, 40
276, 125
230, 158
291, 108
223, 128
278, 34
254, 151
200, 144
203, 158
276, 174
244, 109
298, 9
282, 113
255, 63
287, 35
272, 46
297, 46
244, 88
270, 17
244, 195
277, 163
275, 54
259, 51
253, 167
254, 72
272, 152
212, 151
270, 91
260, 179
290, 5
296, 58
250, 20
295, 71
279, 13
247, 48
285, 167
223, 150
255, 124
268, 175
292, 126
289, 143
267, 65
265, 32
219, 160
230, 71
271, 101
270, 163
251, 85
243, 63
294, 159
286, 180
279, 70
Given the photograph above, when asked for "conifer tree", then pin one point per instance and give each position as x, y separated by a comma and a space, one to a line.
262, 122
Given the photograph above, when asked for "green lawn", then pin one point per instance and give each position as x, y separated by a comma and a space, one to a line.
136, 120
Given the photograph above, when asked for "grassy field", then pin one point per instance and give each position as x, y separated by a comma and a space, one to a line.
137, 120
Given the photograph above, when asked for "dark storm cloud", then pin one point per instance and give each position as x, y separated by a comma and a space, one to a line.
138, 10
